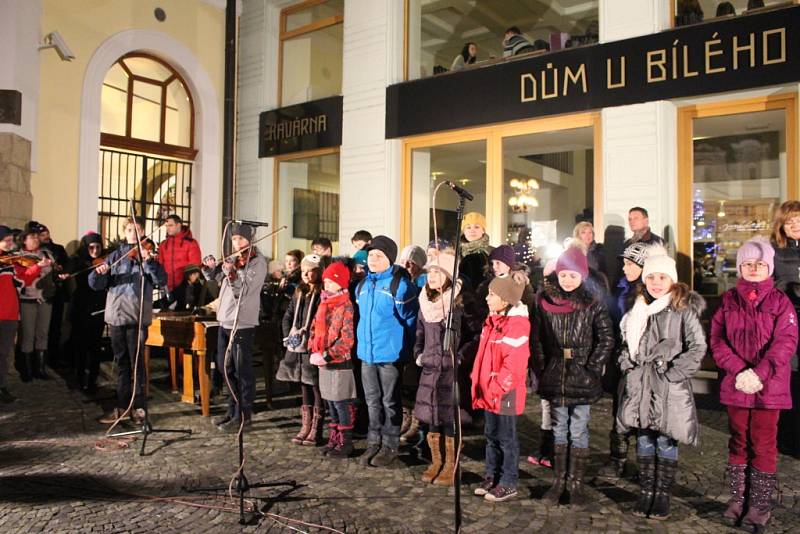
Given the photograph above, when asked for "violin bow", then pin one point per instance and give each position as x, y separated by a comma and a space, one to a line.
251, 245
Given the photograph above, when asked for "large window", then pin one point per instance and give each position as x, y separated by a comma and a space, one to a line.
532, 180
438, 30
307, 200
147, 107
694, 11
311, 51
738, 162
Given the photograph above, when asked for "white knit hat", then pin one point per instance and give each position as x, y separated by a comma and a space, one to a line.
658, 261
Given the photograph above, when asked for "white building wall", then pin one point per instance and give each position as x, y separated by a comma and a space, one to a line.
638, 141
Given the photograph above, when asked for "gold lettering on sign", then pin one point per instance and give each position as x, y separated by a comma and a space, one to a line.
525, 96
750, 46
687, 72
554, 93
610, 84
660, 62
296, 128
570, 77
766, 43
712, 53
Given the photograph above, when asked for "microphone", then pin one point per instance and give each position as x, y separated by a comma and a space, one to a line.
249, 223
459, 190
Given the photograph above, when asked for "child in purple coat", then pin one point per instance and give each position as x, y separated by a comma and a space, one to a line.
753, 338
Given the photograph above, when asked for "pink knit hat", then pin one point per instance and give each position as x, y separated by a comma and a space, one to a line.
573, 259
758, 249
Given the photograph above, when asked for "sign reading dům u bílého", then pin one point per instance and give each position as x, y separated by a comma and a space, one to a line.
730, 54
10, 107
306, 126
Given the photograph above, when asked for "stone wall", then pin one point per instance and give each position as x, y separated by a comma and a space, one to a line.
16, 201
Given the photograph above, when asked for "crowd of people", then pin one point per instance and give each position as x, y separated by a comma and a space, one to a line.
370, 331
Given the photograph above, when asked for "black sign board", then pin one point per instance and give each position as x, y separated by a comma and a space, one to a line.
10, 106
743, 52
307, 126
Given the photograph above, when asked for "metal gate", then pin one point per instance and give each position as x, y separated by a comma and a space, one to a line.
159, 187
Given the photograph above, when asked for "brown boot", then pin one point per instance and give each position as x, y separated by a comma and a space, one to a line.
434, 442
314, 436
448, 472
305, 425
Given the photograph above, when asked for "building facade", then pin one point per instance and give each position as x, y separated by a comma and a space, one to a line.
119, 101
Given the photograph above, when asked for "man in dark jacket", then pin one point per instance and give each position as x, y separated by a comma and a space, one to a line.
639, 223
129, 312
177, 251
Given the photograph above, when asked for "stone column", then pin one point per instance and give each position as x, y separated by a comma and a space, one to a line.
16, 201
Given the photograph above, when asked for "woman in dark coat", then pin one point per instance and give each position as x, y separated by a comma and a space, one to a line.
475, 249
786, 242
434, 402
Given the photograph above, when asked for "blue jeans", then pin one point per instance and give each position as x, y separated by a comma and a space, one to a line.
652, 443
502, 448
382, 383
342, 413
571, 423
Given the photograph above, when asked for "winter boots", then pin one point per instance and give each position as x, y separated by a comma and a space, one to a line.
314, 436
647, 483
39, 365
333, 439
434, 442
305, 425
559, 473
412, 434
759, 506
618, 445
448, 472
545, 455
344, 444
26, 366
578, 461
665, 478
737, 474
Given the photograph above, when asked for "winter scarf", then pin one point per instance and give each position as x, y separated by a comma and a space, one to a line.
635, 321
328, 301
436, 311
471, 247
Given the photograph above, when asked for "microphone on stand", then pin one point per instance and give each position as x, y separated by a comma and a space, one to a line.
250, 223
459, 190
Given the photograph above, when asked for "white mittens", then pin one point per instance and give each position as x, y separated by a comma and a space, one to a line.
748, 382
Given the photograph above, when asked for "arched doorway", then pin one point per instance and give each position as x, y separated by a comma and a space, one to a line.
146, 144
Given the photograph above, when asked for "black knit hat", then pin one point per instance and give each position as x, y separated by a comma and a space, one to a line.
385, 245
244, 230
5, 231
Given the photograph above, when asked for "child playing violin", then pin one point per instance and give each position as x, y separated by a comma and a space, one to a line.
129, 311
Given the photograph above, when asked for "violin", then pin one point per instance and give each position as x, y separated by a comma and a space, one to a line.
239, 260
20, 259
146, 244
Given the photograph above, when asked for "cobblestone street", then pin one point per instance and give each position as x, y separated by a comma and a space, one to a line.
52, 479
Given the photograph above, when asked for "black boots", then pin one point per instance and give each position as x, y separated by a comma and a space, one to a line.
647, 483
665, 477
25, 366
39, 365
618, 445
559, 473
578, 461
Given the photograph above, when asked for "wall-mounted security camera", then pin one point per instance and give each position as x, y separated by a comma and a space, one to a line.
54, 40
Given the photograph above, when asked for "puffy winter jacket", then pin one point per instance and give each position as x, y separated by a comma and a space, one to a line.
573, 339
498, 375
758, 334
12, 279
657, 389
385, 332
787, 275
123, 282
175, 253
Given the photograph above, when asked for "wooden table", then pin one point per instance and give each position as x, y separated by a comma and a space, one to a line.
186, 336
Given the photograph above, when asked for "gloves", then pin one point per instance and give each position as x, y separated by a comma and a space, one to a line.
318, 359
748, 382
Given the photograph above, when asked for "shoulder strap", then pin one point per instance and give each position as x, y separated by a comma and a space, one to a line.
307, 322
397, 276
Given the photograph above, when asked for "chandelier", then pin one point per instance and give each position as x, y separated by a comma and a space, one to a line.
522, 200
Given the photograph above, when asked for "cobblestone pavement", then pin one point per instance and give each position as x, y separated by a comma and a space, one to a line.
53, 480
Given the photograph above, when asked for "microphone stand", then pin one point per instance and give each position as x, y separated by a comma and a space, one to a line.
146, 428
448, 344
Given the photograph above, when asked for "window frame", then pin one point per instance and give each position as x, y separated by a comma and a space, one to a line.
302, 30
127, 141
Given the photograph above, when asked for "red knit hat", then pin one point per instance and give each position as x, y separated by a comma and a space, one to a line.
573, 259
339, 273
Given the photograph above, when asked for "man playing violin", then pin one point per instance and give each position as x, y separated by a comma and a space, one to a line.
121, 274
15, 272
237, 313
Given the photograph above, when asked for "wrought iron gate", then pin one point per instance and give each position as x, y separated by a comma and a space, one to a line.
159, 187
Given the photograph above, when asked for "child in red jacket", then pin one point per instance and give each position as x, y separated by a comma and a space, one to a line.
753, 339
498, 383
331, 343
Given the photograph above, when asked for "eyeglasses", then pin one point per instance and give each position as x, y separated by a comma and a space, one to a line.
755, 265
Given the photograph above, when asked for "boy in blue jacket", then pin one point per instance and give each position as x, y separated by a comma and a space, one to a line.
123, 301
387, 304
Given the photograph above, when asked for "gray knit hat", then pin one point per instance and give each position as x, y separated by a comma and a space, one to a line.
509, 287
